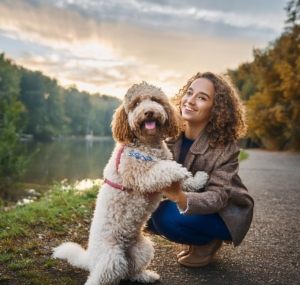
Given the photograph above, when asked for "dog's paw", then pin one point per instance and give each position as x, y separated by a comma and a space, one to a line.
201, 178
195, 183
146, 276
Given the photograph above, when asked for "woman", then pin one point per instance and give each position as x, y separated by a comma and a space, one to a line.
214, 119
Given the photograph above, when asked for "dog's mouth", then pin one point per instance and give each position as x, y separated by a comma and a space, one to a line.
150, 125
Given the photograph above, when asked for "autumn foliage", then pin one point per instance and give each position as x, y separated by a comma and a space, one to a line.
271, 87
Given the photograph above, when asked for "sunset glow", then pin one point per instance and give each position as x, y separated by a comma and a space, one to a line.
105, 48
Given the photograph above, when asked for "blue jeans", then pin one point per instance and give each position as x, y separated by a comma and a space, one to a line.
167, 221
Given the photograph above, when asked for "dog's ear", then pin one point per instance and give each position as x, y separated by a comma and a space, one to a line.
174, 125
120, 126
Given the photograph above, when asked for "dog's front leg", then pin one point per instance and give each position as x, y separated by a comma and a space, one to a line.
150, 177
195, 183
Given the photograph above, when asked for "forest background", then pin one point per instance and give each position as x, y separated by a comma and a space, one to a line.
32, 103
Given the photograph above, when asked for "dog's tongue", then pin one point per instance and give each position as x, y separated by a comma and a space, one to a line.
150, 125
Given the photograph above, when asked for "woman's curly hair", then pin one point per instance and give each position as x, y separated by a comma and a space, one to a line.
228, 119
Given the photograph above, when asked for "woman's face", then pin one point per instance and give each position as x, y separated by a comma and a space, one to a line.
197, 103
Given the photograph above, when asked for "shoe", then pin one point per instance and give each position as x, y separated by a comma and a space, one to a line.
201, 255
185, 250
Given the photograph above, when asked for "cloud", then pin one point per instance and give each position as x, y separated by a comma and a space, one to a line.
183, 15
80, 42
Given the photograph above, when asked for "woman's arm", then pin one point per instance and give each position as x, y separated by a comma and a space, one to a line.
217, 190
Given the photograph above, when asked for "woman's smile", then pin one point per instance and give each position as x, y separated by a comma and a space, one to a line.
188, 109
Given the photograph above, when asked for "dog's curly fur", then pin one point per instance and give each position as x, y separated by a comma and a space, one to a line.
117, 248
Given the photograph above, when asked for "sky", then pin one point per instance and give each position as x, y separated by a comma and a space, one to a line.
105, 46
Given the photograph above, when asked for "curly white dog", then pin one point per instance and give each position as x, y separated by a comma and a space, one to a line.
140, 165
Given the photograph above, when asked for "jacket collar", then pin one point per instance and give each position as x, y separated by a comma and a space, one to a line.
199, 146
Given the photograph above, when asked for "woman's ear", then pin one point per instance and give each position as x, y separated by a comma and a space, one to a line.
120, 126
174, 125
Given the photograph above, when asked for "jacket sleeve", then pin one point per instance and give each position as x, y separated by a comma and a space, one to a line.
218, 188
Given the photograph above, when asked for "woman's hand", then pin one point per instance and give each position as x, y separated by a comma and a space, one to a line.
175, 194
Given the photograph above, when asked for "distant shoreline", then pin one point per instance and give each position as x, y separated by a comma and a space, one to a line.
29, 138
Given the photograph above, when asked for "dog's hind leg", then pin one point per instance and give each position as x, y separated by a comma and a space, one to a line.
108, 268
140, 256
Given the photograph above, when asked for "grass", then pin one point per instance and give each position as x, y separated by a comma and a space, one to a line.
163, 242
23, 263
243, 155
28, 234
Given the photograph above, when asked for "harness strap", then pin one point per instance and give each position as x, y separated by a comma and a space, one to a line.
115, 185
121, 187
119, 158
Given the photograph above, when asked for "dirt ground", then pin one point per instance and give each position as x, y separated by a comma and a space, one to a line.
270, 253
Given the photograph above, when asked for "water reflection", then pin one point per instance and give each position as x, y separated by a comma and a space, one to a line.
72, 160
66, 159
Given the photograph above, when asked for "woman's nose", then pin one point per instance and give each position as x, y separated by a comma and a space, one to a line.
191, 100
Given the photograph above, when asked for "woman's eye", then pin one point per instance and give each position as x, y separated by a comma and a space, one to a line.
189, 93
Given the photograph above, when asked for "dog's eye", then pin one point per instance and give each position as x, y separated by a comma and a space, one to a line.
153, 100
136, 104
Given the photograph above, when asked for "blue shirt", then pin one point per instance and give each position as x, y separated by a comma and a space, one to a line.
185, 146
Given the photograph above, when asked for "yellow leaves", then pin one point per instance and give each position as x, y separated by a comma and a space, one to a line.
289, 86
296, 109
271, 86
274, 109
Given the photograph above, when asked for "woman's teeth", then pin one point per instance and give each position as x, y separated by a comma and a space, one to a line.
188, 109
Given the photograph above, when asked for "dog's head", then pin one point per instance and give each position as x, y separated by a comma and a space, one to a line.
146, 113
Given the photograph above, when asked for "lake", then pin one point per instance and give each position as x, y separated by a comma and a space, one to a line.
73, 160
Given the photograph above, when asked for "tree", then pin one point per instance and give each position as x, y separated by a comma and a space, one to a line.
44, 100
293, 13
100, 116
77, 107
245, 80
271, 86
12, 161
274, 110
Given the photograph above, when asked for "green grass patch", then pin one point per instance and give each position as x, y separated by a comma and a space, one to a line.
29, 274
20, 264
53, 211
4, 278
28, 234
48, 263
163, 242
243, 155
6, 257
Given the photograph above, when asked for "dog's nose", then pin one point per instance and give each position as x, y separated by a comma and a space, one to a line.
149, 113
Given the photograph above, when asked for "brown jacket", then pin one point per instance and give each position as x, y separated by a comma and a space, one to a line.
224, 192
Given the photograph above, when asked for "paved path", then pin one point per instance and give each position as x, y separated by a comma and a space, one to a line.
270, 253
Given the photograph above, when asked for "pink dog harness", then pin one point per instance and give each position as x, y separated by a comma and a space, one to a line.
113, 184
121, 187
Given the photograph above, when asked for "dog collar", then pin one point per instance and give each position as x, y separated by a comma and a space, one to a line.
140, 156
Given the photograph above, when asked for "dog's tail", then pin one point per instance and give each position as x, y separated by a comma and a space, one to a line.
74, 253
